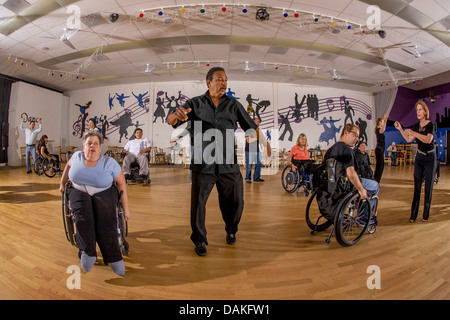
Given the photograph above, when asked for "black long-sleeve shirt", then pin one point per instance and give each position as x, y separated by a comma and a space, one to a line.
212, 130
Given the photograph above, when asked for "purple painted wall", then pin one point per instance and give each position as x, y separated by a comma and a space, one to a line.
403, 111
403, 108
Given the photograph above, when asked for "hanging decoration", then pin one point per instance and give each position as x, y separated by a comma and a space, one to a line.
193, 64
262, 13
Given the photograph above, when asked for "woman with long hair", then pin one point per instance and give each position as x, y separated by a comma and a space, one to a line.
425, 162
299, 154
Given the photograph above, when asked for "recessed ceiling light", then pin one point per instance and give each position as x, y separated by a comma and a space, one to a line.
44, 48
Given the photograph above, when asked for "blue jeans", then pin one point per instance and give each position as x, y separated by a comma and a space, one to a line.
372, 187
394, 158
251, 158
30, 149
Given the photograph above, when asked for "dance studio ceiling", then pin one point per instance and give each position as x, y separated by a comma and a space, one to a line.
326, 43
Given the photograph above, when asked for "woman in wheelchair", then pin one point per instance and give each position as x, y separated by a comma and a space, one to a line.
93, 199
298, 158
43, 151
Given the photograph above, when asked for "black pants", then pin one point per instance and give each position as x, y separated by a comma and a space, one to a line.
379, 166
424, 170
231, 201
96, 221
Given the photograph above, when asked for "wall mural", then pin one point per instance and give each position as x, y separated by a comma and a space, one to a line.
323, 111
126, 111
120, 121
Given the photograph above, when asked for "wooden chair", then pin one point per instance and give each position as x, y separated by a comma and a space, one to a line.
23, 152
372, 156
240, 156
70, 151
401, 160
185, 158
62, 155
160, 156
282, 156
388, 160
408, 154
322, 151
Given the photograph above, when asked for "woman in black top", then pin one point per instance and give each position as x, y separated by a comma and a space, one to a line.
425, 161
43, 151
379, 150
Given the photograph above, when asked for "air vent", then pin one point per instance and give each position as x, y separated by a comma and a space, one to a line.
93, 19
240, 48
163, 49
445, 22
278, 50
16, 5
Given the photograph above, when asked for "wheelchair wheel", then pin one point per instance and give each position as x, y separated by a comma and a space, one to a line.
122, 230
314, 219
37, 166
69, 226
48, 166
290, 179
352, 219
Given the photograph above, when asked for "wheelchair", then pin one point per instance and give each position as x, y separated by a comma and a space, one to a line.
69, 222
292, 180
337, 203
134, 172
44, 166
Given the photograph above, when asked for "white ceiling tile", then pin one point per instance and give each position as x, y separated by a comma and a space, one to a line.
430, 8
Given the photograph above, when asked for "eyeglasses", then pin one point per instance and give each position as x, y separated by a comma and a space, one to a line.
355, 134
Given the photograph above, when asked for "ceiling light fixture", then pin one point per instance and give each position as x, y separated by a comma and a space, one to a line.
262, 13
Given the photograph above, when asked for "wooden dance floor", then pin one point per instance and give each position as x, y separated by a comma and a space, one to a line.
275, 257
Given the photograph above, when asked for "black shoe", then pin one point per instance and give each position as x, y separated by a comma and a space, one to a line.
231, 238
200, 249
28, 172
259, 180
248, 181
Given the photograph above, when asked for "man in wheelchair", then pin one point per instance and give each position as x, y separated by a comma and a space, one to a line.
344, 154
136, 151
363, 162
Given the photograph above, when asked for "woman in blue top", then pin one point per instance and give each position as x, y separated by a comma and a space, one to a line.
93, 200
425, 162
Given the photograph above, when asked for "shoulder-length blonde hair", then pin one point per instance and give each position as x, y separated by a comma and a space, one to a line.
301, 135
424, 107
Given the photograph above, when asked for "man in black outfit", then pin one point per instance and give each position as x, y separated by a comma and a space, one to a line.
343, 152
363, 161
212, 120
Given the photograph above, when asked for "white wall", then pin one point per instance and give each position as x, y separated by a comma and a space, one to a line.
36, 102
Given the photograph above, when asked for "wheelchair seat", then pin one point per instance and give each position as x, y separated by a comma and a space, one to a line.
69, 220
134, 172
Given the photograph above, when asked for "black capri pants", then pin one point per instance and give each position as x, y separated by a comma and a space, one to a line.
96, 222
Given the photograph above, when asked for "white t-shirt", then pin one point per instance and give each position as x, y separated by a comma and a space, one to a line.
137, 145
